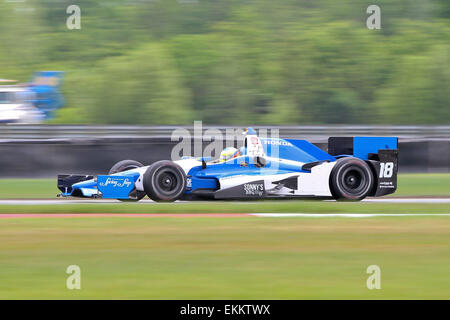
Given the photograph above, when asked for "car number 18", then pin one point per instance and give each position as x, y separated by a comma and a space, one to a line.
386, 169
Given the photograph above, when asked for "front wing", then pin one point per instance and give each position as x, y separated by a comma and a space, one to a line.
102, 186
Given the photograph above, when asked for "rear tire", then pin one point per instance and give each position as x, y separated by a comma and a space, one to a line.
164, 181
351, 179
125, 165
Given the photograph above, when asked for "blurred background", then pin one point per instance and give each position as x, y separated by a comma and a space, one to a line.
236, 62
227, 63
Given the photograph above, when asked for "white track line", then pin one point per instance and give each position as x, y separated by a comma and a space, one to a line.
409, 200
53, 202
344, 215
147, 201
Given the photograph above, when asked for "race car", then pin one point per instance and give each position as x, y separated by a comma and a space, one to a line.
31, 102
263, 168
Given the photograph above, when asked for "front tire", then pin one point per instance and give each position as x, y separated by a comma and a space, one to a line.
164, 181
125, 165
351, 179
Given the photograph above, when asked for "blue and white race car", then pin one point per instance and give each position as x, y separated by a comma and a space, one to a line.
352, 169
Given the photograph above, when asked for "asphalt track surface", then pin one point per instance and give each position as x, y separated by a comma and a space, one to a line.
150, 202
209, 215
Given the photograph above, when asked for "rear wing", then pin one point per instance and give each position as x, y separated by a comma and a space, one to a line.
360, 147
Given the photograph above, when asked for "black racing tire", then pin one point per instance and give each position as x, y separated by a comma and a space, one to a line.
351, 179
125, 165
164, 181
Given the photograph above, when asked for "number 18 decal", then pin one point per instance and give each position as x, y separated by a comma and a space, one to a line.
386, 169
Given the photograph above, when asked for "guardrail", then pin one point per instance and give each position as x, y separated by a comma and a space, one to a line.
317, 133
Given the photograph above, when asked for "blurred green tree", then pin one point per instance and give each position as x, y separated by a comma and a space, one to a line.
140, 87
236, 62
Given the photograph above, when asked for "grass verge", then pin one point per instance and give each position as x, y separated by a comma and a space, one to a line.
235, 258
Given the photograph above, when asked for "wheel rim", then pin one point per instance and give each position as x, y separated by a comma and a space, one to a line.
167, 182
353, 180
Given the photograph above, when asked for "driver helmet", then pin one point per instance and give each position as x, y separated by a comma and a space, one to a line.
228, 153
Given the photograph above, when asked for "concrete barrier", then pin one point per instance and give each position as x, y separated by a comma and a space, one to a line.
44, 151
